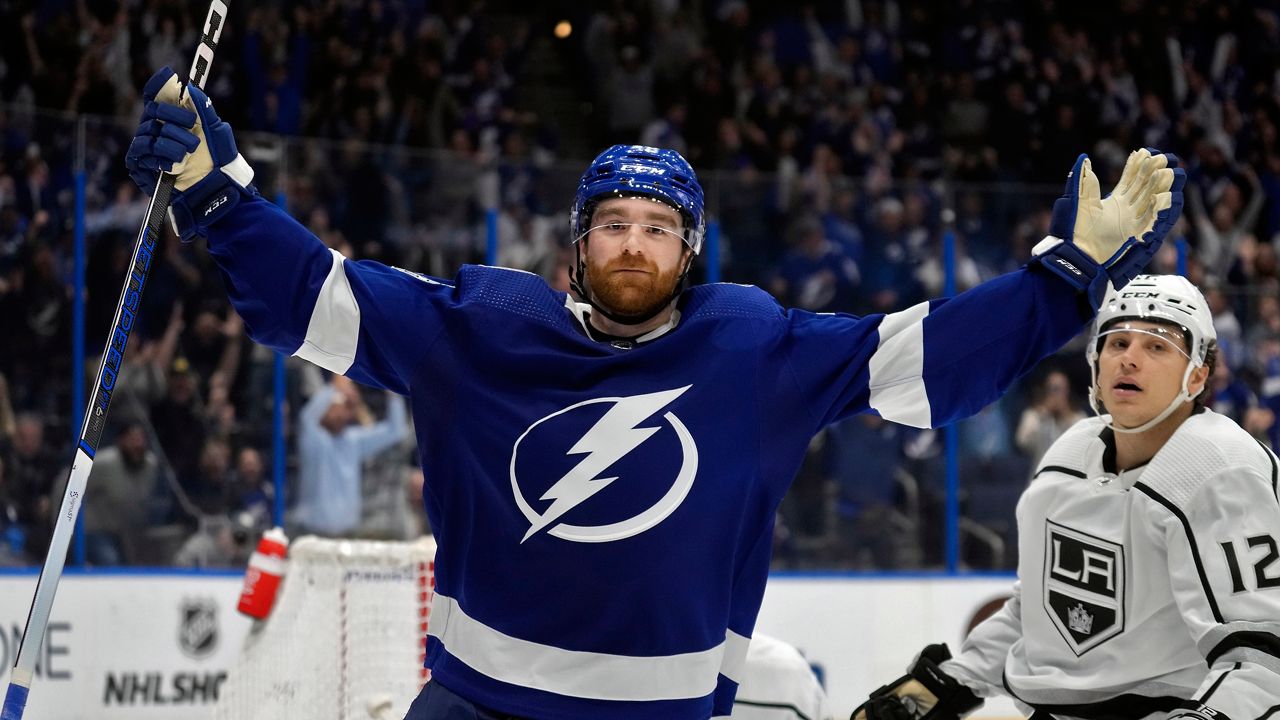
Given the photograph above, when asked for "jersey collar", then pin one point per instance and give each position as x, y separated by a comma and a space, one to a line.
1108, 437
582, 313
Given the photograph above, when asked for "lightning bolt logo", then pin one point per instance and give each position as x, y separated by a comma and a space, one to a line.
612, 437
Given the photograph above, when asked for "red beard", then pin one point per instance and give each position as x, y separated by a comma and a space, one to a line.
631, 294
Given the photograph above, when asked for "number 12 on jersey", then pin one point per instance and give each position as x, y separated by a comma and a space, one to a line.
1266, 571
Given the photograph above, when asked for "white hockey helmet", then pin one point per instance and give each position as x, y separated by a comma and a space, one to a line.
1166, 299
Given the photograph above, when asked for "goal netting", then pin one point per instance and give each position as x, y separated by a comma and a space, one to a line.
345, 640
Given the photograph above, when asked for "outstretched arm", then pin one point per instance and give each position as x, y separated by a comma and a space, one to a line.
293, 293
944, 360
362, 319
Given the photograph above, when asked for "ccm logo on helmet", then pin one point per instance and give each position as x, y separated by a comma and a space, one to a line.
642, 169
1139, 294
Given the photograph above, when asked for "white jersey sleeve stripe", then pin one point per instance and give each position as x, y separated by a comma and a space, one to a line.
735, 655
1258, 657
896, 382
1208, 644
334, 328
598, 676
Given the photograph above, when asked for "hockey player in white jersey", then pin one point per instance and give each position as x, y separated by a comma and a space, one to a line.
1148, 543
602, 472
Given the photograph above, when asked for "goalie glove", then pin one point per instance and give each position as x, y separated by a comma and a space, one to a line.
924, 693
181, 134
1094, 239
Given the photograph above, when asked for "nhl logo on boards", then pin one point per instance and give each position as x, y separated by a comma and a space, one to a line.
1083, 586
198, 629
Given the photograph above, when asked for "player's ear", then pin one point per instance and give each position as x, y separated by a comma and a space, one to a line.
1199, 378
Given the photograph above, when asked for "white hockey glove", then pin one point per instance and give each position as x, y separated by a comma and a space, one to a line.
924, 693
1094, 239
187, 139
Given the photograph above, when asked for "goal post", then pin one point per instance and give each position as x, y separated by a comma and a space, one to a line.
345, 639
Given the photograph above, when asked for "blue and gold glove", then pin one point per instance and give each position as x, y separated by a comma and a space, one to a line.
1093, 240
181, 134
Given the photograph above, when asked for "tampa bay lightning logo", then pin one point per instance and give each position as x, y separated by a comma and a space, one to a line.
624, 426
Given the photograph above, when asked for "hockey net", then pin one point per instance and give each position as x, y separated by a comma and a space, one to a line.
345, 640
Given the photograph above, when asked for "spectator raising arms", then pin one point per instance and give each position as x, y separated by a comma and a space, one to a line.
335, 437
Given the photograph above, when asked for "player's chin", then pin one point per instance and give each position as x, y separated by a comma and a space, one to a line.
627, 304
633, 310
1130, 417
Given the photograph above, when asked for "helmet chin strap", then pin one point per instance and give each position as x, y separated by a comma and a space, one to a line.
578, 282
1183, 396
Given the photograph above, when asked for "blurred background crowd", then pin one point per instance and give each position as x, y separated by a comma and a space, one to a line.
839, 143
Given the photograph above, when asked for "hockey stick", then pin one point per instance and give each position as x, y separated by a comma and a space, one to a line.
95, 416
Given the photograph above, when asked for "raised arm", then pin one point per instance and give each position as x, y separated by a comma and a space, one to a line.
385, 433
943, 360
293, 293
314, 408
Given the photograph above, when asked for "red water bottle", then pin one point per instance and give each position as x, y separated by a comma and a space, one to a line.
267, 566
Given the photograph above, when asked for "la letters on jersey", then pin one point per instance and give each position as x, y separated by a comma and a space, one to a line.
1083, 586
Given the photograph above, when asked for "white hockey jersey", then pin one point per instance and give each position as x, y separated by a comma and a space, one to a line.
1140, 591
778, 684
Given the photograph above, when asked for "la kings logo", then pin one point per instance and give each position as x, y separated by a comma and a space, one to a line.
1083, 586
567, 457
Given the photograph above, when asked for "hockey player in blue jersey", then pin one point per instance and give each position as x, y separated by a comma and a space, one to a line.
602, 474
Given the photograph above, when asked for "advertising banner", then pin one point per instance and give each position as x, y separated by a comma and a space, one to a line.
152, 647
159, 646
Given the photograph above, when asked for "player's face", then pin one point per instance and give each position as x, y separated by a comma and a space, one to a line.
1140, 369
633, 254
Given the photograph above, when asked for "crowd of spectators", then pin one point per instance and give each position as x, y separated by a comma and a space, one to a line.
840, 143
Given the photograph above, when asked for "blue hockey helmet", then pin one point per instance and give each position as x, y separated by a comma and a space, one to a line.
641, 171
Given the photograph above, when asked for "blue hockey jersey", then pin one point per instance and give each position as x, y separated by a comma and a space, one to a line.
604, 510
